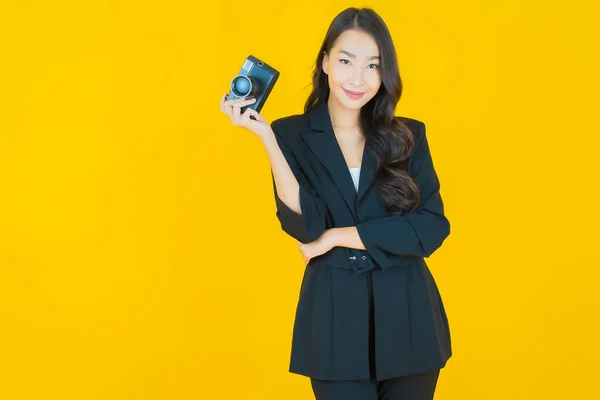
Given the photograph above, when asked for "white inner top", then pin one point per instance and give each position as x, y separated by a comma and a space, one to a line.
355, 172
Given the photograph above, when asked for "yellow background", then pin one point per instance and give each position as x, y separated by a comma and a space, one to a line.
124, 277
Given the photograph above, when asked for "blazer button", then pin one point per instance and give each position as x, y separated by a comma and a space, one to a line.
364, 257
353, 258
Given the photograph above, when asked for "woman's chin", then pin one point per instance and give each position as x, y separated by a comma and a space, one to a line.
352, 104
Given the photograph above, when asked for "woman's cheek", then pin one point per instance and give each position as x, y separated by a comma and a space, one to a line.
375, 82
339, 75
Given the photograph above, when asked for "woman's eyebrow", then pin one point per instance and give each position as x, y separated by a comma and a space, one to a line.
353, 56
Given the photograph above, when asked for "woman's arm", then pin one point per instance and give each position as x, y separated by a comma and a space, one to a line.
344, 237
418, 232
299, 209
286, 184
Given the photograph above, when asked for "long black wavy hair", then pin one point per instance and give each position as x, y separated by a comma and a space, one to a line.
390, 139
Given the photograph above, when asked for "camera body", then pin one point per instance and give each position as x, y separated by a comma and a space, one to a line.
256, 78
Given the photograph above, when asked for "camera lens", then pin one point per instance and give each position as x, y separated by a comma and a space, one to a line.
244, 86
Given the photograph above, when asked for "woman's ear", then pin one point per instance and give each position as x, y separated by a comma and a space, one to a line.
324, 64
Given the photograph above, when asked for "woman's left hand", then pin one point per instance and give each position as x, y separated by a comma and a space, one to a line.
320, 246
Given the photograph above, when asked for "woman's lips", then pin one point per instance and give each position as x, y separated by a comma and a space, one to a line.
353, 95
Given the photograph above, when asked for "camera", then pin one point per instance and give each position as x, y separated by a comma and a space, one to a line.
255, 79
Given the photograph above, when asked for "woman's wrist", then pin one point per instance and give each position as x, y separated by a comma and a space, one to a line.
333, 236
268, 137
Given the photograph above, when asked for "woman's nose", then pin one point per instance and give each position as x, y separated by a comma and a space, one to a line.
356, 77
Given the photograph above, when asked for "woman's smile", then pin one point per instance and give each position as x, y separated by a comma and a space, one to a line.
353, 95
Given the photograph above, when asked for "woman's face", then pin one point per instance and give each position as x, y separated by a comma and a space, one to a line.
353, 65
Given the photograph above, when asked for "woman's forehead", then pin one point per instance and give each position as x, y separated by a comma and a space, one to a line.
355, 43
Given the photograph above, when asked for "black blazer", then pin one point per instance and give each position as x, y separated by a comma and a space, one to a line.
330, 335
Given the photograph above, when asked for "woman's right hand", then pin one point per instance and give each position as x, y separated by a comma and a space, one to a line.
231, 108
305, 259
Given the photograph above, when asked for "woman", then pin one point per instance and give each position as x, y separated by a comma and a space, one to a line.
356, 186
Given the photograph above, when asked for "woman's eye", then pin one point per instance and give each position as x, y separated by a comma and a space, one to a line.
343, 61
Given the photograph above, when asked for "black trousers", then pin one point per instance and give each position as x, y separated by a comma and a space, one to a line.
412, 387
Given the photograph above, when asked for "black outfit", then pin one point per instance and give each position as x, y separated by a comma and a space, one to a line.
389, 283
412, 387
419, 386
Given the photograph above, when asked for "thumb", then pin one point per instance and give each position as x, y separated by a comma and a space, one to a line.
258, 117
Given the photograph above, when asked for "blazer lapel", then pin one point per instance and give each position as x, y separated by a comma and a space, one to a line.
322, 142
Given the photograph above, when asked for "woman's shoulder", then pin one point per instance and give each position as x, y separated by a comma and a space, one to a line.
289, 127
412, 123
290, 120
417, 127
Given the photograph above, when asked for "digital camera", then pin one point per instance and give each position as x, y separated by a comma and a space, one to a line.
255, 79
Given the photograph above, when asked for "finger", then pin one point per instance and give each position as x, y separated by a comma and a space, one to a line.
236, 106
259, 117
240, 101
224, 98
227, 110
249, 111
222, 103
245, 117
235, 113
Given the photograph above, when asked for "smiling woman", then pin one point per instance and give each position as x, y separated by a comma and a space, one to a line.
356, 74
355, 185
353, 71
370, 322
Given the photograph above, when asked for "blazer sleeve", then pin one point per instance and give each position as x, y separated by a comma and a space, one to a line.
419, 232
309, 225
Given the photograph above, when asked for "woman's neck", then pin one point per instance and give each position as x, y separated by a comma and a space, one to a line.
341, 117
